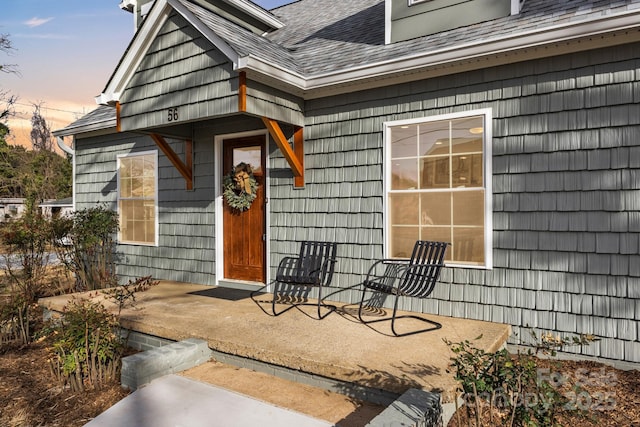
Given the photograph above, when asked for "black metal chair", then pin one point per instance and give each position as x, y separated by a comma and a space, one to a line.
314, 267
415, 277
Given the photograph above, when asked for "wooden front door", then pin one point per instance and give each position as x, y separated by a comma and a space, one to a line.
244, 232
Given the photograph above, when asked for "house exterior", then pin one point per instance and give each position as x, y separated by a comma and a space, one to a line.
11, 208
509, 129
57, 208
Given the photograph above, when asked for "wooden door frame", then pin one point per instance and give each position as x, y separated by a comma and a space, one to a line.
219, 229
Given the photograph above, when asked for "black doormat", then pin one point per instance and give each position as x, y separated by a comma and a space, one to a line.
223, 293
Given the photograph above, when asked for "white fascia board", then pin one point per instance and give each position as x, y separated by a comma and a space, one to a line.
287, 77
443, 57
256, 12
102, 125
135, 53
217, 41
107, 98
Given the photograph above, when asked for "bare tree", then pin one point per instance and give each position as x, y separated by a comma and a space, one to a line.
6, 47
6, 105
41, 138
7, 100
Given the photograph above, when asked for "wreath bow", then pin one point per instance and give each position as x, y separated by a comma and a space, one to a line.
240, 187
243, 181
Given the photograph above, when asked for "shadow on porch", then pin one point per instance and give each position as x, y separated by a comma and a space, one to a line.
335, 348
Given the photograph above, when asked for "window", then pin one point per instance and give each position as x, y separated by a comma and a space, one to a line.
438, 186
137, 196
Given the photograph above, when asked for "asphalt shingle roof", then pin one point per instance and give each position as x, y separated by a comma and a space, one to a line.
323, 36
244, 42
328, 36
102, 116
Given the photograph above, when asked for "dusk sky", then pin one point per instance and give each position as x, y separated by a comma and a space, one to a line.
65, 52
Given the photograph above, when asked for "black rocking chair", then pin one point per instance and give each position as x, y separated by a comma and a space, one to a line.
415, 277
314, 267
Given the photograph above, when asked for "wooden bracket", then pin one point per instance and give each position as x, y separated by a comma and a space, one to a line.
295, 156
186, 170
298, 149
242, 92
118, 119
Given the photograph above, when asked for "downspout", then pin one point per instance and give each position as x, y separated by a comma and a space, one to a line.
70, 151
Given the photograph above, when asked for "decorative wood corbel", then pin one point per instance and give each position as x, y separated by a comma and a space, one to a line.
185, 168
298, 149
242, 92
295, 155
118, 120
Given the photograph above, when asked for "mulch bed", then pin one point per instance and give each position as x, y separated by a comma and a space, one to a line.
30, 395
598, 395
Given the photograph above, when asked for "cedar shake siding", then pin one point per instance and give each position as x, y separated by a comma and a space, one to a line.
185, 250
566, 199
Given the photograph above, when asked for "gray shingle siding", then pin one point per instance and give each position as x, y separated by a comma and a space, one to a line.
566, 210
275, 104
566, 163
181, 69
186, 249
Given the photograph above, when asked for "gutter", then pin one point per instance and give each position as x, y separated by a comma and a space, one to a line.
64, 147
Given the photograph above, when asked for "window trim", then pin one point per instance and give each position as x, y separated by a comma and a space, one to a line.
119, 157
487, 157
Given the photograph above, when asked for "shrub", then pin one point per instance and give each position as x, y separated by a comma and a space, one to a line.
25, 242
511, 389
122, 294
88, 341
88, 346
90, 257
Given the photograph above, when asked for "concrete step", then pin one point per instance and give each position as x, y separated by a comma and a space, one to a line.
141, 368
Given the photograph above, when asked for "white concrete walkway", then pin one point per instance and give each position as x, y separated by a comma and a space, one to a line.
175, 401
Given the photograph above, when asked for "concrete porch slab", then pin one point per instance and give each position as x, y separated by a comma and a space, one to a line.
337, 347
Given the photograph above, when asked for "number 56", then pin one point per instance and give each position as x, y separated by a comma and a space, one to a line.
172, 114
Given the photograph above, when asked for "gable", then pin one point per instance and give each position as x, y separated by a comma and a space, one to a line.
181, 78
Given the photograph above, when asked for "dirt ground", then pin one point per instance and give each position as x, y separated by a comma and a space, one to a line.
597, 395
30, 397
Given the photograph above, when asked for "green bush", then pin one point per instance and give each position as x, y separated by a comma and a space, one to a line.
91, 255
88, 347
510, 389
25, 241
88, 341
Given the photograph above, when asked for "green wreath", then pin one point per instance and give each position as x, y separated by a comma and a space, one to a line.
240, 187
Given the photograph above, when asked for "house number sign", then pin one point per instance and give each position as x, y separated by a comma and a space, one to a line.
172, 114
